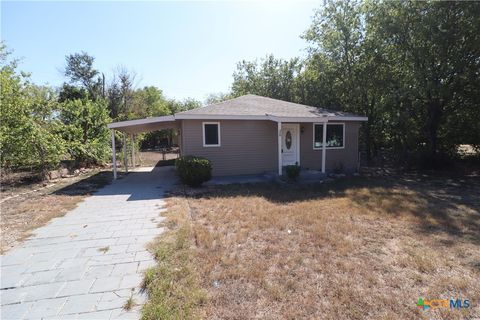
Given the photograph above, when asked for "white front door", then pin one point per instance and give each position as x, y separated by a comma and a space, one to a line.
290, 144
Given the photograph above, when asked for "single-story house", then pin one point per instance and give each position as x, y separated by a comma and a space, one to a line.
253, 135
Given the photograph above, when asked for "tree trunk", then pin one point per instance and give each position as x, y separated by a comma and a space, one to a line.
434, 113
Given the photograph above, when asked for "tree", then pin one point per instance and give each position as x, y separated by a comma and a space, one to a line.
345, 56
85, 130
149, 102
48, 143
271, 77
217, 97
178, 106
115, 100
437, 46
80, 71
28, 135
408, 66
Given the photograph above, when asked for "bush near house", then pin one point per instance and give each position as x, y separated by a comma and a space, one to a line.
293, 171
193, 171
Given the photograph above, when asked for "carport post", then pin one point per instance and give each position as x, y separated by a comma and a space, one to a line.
324, 146
279, 148
133, 150
125, 153
114, 156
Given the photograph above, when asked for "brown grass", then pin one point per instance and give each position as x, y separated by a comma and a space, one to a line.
129, 304
29, 207
354, 249
173, 285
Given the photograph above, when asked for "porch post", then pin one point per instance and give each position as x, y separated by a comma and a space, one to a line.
125, 153
279, 148
133, 150
114, 156
324, 146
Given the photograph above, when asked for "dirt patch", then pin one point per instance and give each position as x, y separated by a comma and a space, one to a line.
29, 206
356, 248
157, 158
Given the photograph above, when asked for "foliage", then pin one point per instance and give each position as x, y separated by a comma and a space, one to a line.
80, 71
293, 171
126, 103
193, 171
85, 130
39, 127
270, 77
217, 97
150, 102
339, 167
411, 67
178, 106
28, 130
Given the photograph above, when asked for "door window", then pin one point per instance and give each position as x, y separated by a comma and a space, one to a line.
288, 140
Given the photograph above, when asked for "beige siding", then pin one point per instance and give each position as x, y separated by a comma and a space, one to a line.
250, 147
247, 147
312, 159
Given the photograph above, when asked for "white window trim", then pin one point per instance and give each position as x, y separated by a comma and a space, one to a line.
203, 134
330, 148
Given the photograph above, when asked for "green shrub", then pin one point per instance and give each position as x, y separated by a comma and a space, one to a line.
193, 171
293, 171
339, 168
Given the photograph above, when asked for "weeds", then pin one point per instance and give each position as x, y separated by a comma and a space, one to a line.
173, 286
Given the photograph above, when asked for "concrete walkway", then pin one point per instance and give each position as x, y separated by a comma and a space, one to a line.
87, 264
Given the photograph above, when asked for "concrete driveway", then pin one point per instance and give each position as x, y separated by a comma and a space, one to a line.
87, 264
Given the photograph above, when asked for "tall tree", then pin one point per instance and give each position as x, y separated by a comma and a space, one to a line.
271, 77
80, 71
435, 46
344, 55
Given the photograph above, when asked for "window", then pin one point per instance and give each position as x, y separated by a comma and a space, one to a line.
211, 134
335, 135
288, 140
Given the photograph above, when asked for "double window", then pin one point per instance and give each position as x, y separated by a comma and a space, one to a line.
335, 135
211, 134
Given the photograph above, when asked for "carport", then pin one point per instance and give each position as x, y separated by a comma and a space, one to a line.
131, 128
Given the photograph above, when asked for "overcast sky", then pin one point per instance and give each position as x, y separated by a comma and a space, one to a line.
187, 49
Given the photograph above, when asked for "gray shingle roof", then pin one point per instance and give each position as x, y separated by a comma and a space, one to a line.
253, 105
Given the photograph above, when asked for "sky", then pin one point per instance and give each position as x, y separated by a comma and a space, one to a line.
187, 49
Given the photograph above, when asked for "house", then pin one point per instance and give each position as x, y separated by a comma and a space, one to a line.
253, 134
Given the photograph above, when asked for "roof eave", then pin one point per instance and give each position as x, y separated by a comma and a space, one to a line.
180, 116
320, 118
122, 124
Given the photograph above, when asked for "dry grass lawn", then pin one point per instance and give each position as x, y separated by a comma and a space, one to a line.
352, 249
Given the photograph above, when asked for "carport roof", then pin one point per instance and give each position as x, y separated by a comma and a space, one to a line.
145, 125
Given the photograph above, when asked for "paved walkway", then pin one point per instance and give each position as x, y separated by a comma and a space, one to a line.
87, 264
